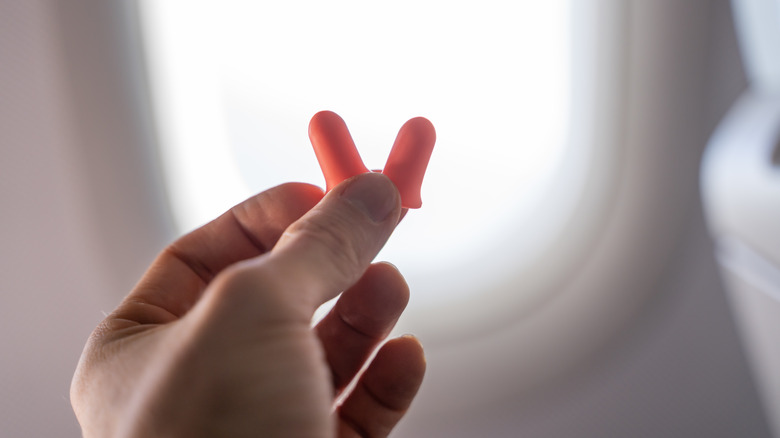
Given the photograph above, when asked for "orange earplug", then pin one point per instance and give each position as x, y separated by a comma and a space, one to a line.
406, 165
334, 148
409, 158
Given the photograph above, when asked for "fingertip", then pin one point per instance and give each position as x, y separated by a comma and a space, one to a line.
302, 190
296, 198
397, 371
388, 267
376, 301
390, 284
387, 388
404, 353
374, 194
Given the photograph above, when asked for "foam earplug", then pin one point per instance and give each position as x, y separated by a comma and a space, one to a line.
334, 148
409, 158
406, 164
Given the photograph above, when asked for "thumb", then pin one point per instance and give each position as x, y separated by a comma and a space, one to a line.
328, 249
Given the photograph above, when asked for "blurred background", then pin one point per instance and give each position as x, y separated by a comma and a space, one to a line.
597, 250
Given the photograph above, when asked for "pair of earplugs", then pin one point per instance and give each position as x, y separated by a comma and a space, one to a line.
406, 165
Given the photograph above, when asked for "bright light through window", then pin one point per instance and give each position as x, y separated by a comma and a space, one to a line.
235, 84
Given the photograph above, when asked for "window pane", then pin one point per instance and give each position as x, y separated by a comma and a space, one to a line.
236, 83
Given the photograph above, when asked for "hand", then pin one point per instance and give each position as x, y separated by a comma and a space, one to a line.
216, 338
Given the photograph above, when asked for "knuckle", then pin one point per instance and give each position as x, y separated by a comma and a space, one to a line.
238, 285
254, 293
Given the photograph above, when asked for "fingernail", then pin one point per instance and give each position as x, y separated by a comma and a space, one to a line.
372, 193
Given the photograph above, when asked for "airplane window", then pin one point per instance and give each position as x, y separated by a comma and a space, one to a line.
235, 83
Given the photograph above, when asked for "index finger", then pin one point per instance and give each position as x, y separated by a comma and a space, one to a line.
177, 278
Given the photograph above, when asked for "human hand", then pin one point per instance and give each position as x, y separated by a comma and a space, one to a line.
216, 338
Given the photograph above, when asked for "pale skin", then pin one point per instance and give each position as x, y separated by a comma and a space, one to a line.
216, 338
